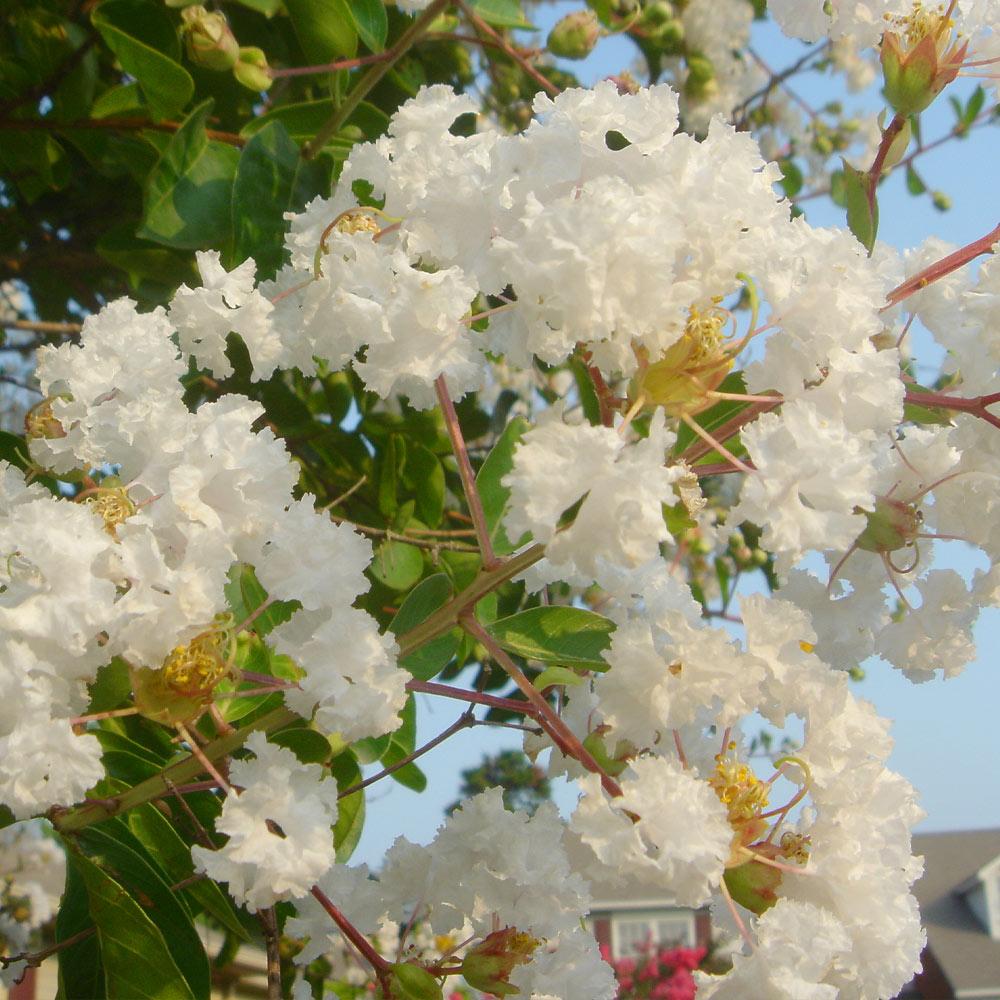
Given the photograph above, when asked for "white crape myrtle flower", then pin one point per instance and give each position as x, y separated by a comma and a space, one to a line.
262, 866
937, 635
45, 764
117, 395
573, 969
487, 863
354, 891
623, 486
796, 946
680, 841
313, 560
351, 682
32, 872
226, 301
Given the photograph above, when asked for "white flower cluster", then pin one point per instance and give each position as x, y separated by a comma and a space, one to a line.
602, 235
32, 871
138, 568
864, 21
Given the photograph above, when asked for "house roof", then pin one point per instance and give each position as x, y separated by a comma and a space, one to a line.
969, 957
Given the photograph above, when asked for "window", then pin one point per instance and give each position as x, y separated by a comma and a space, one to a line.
629, 933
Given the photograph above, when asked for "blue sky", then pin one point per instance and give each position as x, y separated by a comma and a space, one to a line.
944, 731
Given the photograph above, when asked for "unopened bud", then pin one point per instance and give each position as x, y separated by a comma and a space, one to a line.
251, 68
488, 965
575, 35
208, 40
700, 82
408, 981
941, 201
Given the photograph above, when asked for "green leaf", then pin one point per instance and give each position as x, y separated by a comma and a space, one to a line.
188, 196
715, 416
397, 565
974, 106
401, 744
791, 177
308, 746
81, 972
271, 179
913, 182
493, 493
351, 809
137, 962
166, 846
423, 477
557, 675
303, 120
325, 29
121, 855
371, 22
418, 605
153, 271
143, 38
502, 13
556, 634
245, 594
862, 216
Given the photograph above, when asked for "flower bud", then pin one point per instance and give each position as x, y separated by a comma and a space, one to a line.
915, 75
488, 965
208, 40
408, 981
251, 68
575, 35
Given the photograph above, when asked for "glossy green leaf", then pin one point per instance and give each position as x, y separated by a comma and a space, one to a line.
350, 809
502, 13
401, 744
423, 477
188, 196
142, 35
397, 565
325, 29
157, 834
493, 493
138, 965
81, 972
914, 183
245, 594
714, 417
862, 215
303, 120
419, 604
121, 855
556, 634
371, 22
308, 746
271, 179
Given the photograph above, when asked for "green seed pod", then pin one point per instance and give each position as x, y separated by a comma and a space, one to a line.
575, 35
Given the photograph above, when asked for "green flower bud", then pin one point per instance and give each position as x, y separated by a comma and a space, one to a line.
914, 76
700, 82
488, 965
251, 69
208, 40
941, 201
575, 35
753, 885
408, 981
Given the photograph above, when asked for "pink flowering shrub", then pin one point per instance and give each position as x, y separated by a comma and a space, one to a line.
658, 972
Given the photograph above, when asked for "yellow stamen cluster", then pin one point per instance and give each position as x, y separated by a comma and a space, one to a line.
112, 505
921, 22
39, 422
739, 789
795, 847
358, 221
688, 371
197, 667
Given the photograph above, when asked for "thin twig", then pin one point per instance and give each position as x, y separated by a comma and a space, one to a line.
465, 471
35, 958
356, 938
42, 326
269, 925
562, 735
465, 721
111, 124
